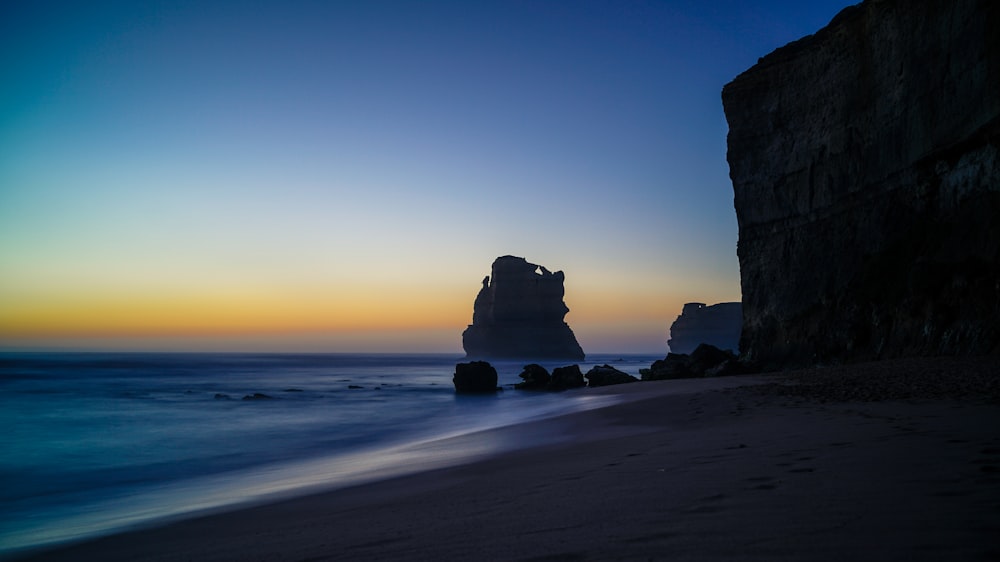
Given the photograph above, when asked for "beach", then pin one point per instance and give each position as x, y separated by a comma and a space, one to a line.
765, 467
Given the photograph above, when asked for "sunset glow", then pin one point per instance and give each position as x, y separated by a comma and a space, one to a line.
175, 175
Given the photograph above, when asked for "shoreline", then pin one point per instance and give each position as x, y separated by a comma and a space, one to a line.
270, 483
686, 469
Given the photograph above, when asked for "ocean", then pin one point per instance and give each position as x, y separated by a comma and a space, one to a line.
93, 443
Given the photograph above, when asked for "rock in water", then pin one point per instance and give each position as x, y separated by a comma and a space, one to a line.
475, 378
718, 325
535, 377
865, 162
565, 378
519, 314
605, 375
705, 361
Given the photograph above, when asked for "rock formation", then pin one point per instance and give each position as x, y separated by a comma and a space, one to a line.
534, 377
605, 375
865, 162
718, 325
565, 378
705, 361
477, 377
519, 314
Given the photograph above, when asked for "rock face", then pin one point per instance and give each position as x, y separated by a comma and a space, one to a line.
519, 314
477, 377
865, 162
718, 325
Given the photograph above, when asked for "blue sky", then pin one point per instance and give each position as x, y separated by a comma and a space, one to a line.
340, 175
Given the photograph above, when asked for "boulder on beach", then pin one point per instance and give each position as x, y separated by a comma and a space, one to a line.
476, 377
606, 375
705, 361
535, 377
565, 378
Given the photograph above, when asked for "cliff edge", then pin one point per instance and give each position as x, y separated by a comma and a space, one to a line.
865, 162
519, 313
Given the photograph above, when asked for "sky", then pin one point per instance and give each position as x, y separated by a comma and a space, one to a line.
339, 176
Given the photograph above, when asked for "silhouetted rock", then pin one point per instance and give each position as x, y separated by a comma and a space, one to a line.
564, 378
718, 325
705, 361
475, 377
256, 396
520, 314
222, 396
607, 375
673, 366
535, 377
707, 357
865, 162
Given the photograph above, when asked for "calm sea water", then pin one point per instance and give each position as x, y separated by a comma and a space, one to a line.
91, 443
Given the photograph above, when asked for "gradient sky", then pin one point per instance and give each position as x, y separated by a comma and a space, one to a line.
339, 176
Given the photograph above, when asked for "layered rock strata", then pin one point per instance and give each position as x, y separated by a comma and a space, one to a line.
519, 313
718, 325
865, 162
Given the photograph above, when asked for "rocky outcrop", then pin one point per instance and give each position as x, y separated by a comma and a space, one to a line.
565, 378
477, 377
534, 377
605, 375
865, 162
718, 325
519, 314
705, 361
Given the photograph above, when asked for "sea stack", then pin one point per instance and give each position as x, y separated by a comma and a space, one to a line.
717, 325
865, 162
519, 313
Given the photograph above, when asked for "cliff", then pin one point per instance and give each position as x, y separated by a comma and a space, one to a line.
718, 325
865, 162
519, 313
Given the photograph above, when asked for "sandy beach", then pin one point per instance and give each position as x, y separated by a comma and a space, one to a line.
764, 467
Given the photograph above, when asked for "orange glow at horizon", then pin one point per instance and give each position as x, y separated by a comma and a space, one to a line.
230, 312
371, 314
234, 312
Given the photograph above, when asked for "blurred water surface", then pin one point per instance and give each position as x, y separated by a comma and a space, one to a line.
91, 443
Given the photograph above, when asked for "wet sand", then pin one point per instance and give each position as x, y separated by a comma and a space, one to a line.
681, 470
